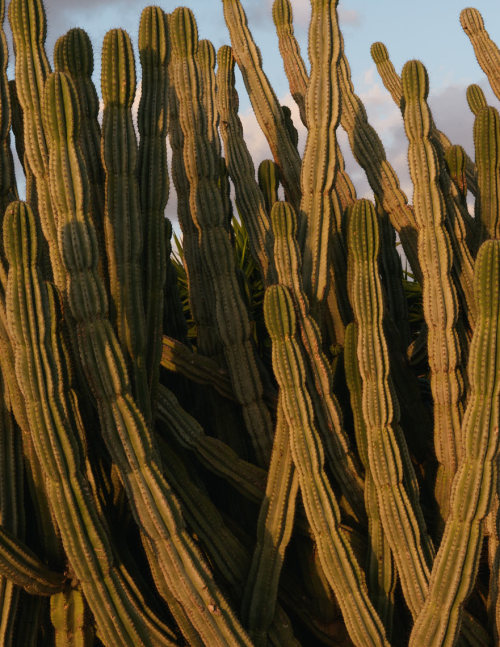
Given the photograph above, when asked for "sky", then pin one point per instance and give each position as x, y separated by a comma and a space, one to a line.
428, 30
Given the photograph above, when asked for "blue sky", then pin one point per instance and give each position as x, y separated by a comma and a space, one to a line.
429, 30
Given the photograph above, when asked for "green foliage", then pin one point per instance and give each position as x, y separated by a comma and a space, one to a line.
271, 435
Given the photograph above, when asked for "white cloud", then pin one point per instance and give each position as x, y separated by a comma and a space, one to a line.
349, 17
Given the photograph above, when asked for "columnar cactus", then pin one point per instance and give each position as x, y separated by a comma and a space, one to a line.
267, 438
439, 294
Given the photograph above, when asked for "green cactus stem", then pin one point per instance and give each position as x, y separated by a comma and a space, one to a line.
438, 292
455, 566
123, 220
19, 564
369, 151
249, 198
486, 144
201, 294
40, 361
28, 24
392, 83
69, 616
179, 358
264, 101
337, 559
274, 529
73, 54
382, 574
207, 212
219, 458
153, 180
127, 436
475, 98
295, 68
340, 458
390, 466
319, 207
269, 181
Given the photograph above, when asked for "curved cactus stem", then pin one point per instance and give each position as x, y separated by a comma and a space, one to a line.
127, 436
246, 478
59, 439
298, 80
319, 233
218, 257
487, 53
226, 552
387, 71
340, 457
392, 83
73, 54
438, 292
456, 163
249, 198
265, 103
369, 152
274, 529
47, 534
293, 62
382, 575
12, 511
389, 462
335, 552
473, 491
19, 564
28, 24
201, 294
475, 98
487, 143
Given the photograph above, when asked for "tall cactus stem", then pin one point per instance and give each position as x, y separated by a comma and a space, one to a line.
154, 51
438, 292
218, 258
456, 563
264, 101
123, 220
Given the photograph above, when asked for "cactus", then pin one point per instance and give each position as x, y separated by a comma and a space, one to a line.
439, 296
487, 53
473, 485
269, 438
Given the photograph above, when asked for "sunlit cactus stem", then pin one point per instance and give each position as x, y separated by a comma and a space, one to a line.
487, 53
455, 567
439, 295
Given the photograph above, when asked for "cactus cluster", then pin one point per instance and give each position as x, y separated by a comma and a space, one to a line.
257, 441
